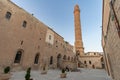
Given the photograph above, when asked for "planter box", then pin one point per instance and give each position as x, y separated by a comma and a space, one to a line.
63, 75
44, 72
5, 76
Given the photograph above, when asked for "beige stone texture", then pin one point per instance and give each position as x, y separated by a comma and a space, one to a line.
111, 41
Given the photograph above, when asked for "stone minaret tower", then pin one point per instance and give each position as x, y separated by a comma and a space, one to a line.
78, 35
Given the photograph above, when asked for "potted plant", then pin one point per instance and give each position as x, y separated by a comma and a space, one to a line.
7, 70
27, 76
44, 69
63, 75
6, 75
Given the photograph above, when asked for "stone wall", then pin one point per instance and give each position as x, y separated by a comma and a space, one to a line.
71, 65
92, 61
23, 32
112, 41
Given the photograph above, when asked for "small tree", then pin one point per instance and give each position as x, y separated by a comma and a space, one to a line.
63, 70
7, 69
27, 76
29, 70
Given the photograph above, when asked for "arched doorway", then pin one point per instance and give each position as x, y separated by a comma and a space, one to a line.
51, 60
59, 60
93, 66
18, 56
102, 63
79, 65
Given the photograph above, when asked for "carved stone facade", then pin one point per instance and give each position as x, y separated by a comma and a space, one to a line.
27, 42
111, 37
92, 60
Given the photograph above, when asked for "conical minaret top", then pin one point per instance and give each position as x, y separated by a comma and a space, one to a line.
78, 34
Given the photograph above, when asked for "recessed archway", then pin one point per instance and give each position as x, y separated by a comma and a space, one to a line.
51, 60
59, 56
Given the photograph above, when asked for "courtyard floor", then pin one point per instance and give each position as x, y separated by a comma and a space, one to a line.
83, 74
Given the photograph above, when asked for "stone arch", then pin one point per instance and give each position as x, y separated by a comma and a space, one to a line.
36, 59
18, 56
59, 56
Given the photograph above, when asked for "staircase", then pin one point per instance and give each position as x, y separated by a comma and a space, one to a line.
82, 65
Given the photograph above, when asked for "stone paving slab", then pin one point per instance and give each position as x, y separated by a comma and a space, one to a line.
84, 74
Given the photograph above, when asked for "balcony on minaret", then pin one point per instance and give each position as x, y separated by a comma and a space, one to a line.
76, 8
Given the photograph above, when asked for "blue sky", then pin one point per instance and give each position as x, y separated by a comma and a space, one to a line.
58, 14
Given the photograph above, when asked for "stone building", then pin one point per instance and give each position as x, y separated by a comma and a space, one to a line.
111, 37
86, 60
92, 60
27, 42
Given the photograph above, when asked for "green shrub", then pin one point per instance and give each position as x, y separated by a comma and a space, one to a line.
7, 70
27, 76
29, 70
63, 70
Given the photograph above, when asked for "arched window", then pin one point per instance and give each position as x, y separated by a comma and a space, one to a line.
8, 15
68, 57
84, 62
64, 57
51, 60
50, 37
18, 57
36, 59
24, 24
89, 62
94, 53
102, 59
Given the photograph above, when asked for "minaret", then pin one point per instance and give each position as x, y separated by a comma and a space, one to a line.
78, 34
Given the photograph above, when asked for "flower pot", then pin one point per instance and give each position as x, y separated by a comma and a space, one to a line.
63, 75
44, 72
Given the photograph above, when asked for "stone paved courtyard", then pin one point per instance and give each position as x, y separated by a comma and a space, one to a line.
83, 74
